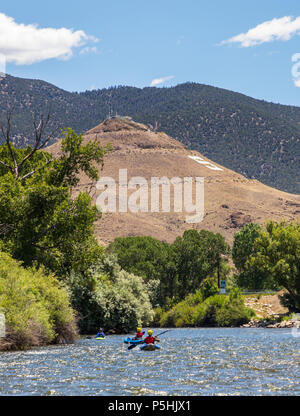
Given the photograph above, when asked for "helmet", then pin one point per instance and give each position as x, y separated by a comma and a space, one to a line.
150, 332
139, 329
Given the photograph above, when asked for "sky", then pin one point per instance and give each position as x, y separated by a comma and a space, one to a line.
249, 46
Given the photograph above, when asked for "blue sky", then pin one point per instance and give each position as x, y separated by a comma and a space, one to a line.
129, 42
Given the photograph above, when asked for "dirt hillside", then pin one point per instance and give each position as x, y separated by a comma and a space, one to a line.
230, 200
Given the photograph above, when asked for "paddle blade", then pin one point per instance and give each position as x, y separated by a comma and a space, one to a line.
132, 346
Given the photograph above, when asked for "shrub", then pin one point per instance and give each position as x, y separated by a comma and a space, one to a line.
233, 315
216, 310
209, 288
199, 314
35, 305
110, 297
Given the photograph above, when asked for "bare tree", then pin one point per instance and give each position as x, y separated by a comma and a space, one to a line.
41, 139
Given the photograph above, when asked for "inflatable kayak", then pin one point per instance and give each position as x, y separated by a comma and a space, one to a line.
100, 338
133, 341
149, 347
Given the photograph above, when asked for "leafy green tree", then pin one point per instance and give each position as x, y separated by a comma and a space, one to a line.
278, 256
197, 256
243, 245
252, 277
40, 221
153, 260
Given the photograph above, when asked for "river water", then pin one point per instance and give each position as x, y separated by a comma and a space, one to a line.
202, 361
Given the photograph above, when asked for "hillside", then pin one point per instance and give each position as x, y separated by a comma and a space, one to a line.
257, 139
231, 200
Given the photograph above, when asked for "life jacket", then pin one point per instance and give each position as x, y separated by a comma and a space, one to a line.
139, 335
149, 340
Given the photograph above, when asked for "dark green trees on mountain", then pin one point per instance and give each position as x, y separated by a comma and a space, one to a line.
253, 137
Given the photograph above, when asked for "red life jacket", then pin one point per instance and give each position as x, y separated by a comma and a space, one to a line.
139, 335
149, 340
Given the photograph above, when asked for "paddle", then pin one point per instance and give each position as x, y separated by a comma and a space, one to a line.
163, 332
134, 345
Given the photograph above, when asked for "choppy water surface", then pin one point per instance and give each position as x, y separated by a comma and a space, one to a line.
213, 361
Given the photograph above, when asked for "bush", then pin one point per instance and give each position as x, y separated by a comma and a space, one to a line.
199, 314
208, 288
213, 304
216, 310
110, 297
35, 305
233, 315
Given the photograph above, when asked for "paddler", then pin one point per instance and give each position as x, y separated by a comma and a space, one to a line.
100, 334
150, 339
139, 333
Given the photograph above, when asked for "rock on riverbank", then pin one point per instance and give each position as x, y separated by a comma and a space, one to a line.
257, 323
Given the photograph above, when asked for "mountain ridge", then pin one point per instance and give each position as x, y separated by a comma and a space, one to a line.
253, 137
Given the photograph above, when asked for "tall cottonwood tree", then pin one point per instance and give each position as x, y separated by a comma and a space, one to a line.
40, 222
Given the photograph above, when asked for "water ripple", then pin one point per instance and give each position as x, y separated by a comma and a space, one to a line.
231, 361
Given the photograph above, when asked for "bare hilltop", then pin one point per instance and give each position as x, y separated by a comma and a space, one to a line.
230, 199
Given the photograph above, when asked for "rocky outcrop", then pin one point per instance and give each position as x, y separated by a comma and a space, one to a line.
238, 220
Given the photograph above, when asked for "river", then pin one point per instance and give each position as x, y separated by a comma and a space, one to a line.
191, 361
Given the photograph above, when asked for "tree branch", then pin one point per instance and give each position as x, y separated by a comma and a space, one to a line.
39, 131
35, 170
6, 137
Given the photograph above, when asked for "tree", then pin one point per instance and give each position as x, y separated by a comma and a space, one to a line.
198, 255
278, 256
243, 244
14, 161
40, 221
153, 260
253, 278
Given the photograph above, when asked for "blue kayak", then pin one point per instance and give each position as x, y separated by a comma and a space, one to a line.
133, 341
149, 347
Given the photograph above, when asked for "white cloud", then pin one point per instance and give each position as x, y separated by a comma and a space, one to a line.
158, 81
276, 29
88, 49
27, 44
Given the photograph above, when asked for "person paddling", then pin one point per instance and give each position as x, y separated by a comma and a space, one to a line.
150, 339
139, 333
100, 334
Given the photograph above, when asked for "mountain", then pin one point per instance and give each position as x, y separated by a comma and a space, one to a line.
255, 138
230, 199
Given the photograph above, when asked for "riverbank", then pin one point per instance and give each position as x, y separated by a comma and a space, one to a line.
258, 323
266, 306
269, 312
